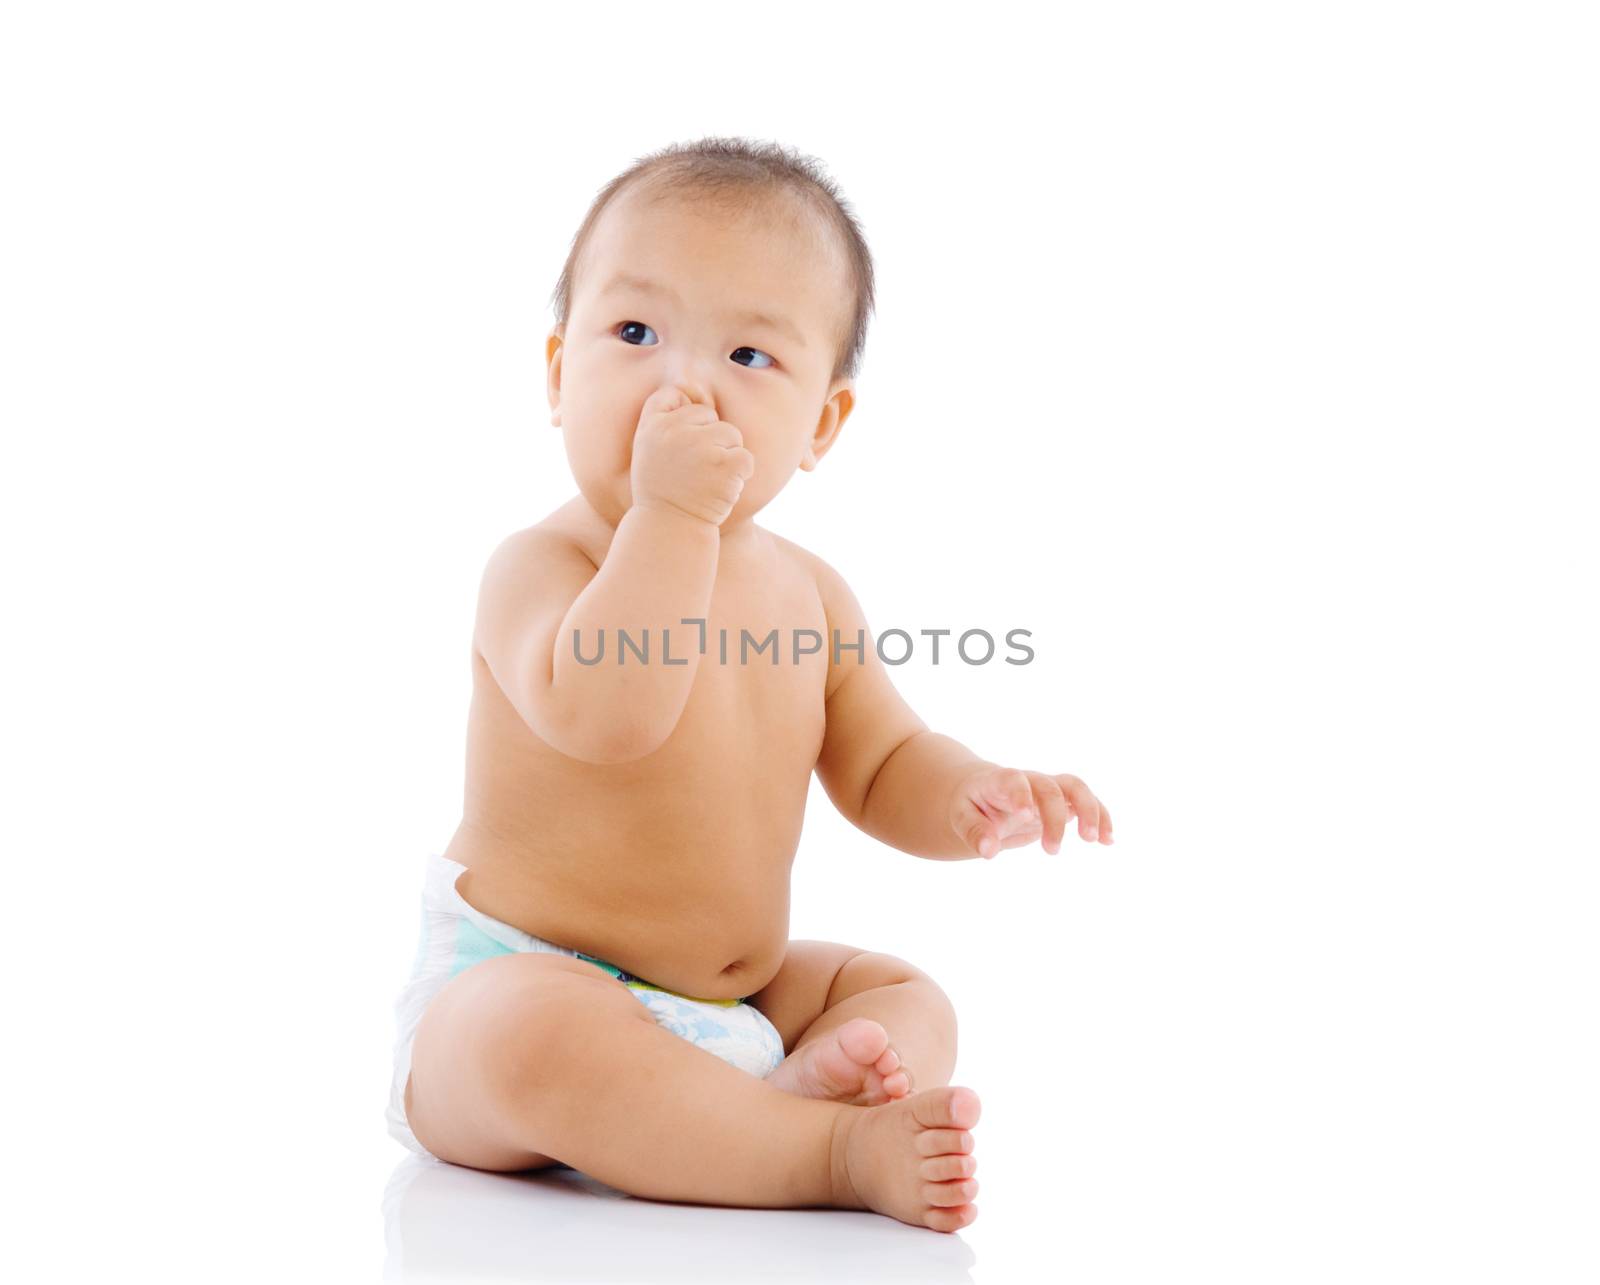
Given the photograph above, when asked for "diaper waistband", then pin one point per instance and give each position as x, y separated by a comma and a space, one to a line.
440, 894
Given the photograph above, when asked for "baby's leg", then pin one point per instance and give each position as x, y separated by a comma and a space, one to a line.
527, 1059
531, 1058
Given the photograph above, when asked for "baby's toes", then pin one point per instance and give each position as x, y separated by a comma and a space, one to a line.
946, 1194
951, 1219
940, 1142
894, 1079
949, 1168
864, 1040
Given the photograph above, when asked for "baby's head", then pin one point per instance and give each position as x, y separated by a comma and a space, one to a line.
731, 268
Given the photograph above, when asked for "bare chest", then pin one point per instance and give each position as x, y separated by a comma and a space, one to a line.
757, 700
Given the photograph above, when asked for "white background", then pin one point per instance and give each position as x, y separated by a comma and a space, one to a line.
1244, 353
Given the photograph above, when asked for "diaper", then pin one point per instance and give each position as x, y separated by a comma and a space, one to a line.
455, 936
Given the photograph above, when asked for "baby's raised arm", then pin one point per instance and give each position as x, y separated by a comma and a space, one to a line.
539, 587
540, 592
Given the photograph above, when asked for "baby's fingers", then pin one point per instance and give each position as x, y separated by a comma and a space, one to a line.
1005, 790
1053, 809
984, 834
1084, 804
991, 807
973, 827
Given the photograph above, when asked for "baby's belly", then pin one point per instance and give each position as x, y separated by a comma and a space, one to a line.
692, 914
674, 867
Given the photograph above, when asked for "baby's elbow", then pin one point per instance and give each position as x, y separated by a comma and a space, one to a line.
607, 749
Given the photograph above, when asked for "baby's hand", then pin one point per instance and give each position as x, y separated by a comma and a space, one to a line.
1000, 807
685, 458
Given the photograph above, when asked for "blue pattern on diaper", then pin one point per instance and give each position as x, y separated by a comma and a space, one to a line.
473, 946
737, 1032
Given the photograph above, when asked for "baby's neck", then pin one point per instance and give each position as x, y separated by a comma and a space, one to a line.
741, 536
738, 538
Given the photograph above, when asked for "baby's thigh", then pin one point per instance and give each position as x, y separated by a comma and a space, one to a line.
491, 1038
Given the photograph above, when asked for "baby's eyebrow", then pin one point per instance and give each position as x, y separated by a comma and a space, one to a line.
627, 281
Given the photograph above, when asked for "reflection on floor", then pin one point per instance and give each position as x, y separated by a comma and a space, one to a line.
446, 1223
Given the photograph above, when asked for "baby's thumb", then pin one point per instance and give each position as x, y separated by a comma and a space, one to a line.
979, 833
693, 392
672, 397
669, 397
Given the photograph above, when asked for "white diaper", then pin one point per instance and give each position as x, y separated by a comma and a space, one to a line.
455, 936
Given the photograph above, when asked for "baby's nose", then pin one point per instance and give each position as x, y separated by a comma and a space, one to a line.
696, 386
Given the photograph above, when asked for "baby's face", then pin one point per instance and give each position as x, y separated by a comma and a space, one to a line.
750, 310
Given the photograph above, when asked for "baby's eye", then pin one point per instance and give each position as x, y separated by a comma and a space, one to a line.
623, 328
758, 353
629, 325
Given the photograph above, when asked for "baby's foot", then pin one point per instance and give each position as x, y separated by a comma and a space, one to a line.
853, 1064
911, 1159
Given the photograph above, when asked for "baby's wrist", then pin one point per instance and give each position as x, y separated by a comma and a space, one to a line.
669, 512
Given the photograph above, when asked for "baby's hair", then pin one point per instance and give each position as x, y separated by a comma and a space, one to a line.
740, 175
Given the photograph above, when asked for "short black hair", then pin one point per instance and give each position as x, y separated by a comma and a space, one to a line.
739, 173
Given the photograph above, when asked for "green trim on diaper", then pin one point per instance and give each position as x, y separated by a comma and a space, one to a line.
473, 946
639, 984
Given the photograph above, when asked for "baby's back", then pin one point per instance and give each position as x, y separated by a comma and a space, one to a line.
673, 866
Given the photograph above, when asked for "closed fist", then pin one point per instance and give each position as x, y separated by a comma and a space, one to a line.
685, 458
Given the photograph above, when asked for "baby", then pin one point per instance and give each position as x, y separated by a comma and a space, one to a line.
614, 906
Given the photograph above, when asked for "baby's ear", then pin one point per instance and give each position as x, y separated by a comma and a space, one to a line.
553, 347
834, 413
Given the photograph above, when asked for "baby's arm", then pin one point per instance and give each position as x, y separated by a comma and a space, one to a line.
542, 597
882, 767
917, 790
539, 587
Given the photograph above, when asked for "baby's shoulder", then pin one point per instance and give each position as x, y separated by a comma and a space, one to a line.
801, 560
550, 561
837, 600
845, 621
561, 536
